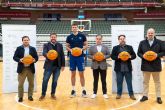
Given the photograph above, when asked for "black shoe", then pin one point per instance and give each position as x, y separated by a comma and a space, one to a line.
73, 94
144, 98
84, 93
20, 100
159, 100
30, 98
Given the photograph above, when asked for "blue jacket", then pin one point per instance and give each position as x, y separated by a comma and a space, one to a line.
19, 53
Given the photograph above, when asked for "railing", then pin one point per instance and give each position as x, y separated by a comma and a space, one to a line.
80, 4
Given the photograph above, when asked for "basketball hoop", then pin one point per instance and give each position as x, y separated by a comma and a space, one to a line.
83, 25
81, 29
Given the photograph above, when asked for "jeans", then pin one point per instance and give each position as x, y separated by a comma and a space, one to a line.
55, 71
128, 77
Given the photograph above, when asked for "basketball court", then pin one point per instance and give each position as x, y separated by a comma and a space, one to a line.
64, 102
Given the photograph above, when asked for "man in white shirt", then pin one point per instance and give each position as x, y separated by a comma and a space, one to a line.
99, 67
25, 70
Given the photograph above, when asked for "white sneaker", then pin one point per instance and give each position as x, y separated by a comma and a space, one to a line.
105, 96
93, 96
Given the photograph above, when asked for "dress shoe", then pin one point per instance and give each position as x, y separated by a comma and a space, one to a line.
144, 98
20, 100
118, 96
159, 100
132, 97
30, 98
53, 96
41, 98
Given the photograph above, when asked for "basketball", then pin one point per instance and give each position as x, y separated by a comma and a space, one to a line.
76, 51
52, 54
27, 60
124, 56
99, 56
150, 56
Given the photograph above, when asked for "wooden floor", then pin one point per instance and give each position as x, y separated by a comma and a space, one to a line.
64, 102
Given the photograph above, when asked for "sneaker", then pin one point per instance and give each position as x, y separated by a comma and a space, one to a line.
93, 96
84, 94
105, 96
144, 98
73, 94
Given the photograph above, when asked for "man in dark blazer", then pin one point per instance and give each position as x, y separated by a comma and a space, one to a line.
25, 70
52, 67
99, 67
123, 68
151, 67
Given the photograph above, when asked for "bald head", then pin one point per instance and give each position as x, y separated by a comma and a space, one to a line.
150, 34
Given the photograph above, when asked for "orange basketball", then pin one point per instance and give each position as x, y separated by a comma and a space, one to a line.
27, 60
124, 56
99, 56
150, 55
52, 54
76, 51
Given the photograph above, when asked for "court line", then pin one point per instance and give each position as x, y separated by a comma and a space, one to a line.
137, 101
35, 108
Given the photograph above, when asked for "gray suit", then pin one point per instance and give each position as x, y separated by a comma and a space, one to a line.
95, 64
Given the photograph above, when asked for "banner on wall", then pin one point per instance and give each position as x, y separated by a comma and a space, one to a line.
12, 38
134, 34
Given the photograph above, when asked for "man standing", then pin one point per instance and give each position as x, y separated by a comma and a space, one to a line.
79, 40
151, 67
123, 68
25, 70
52, 67
99, 67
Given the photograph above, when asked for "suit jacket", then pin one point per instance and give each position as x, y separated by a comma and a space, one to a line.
61, 57
19, 53
115, 53
158, 47
95, 64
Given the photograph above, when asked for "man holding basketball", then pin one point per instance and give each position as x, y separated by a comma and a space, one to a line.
25, 70
123, 68
77, 40
52, 66
151, 67
99, 65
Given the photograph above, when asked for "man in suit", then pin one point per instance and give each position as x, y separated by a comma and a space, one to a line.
99, 67
123, 68
52, 67
25, 70
151, 67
